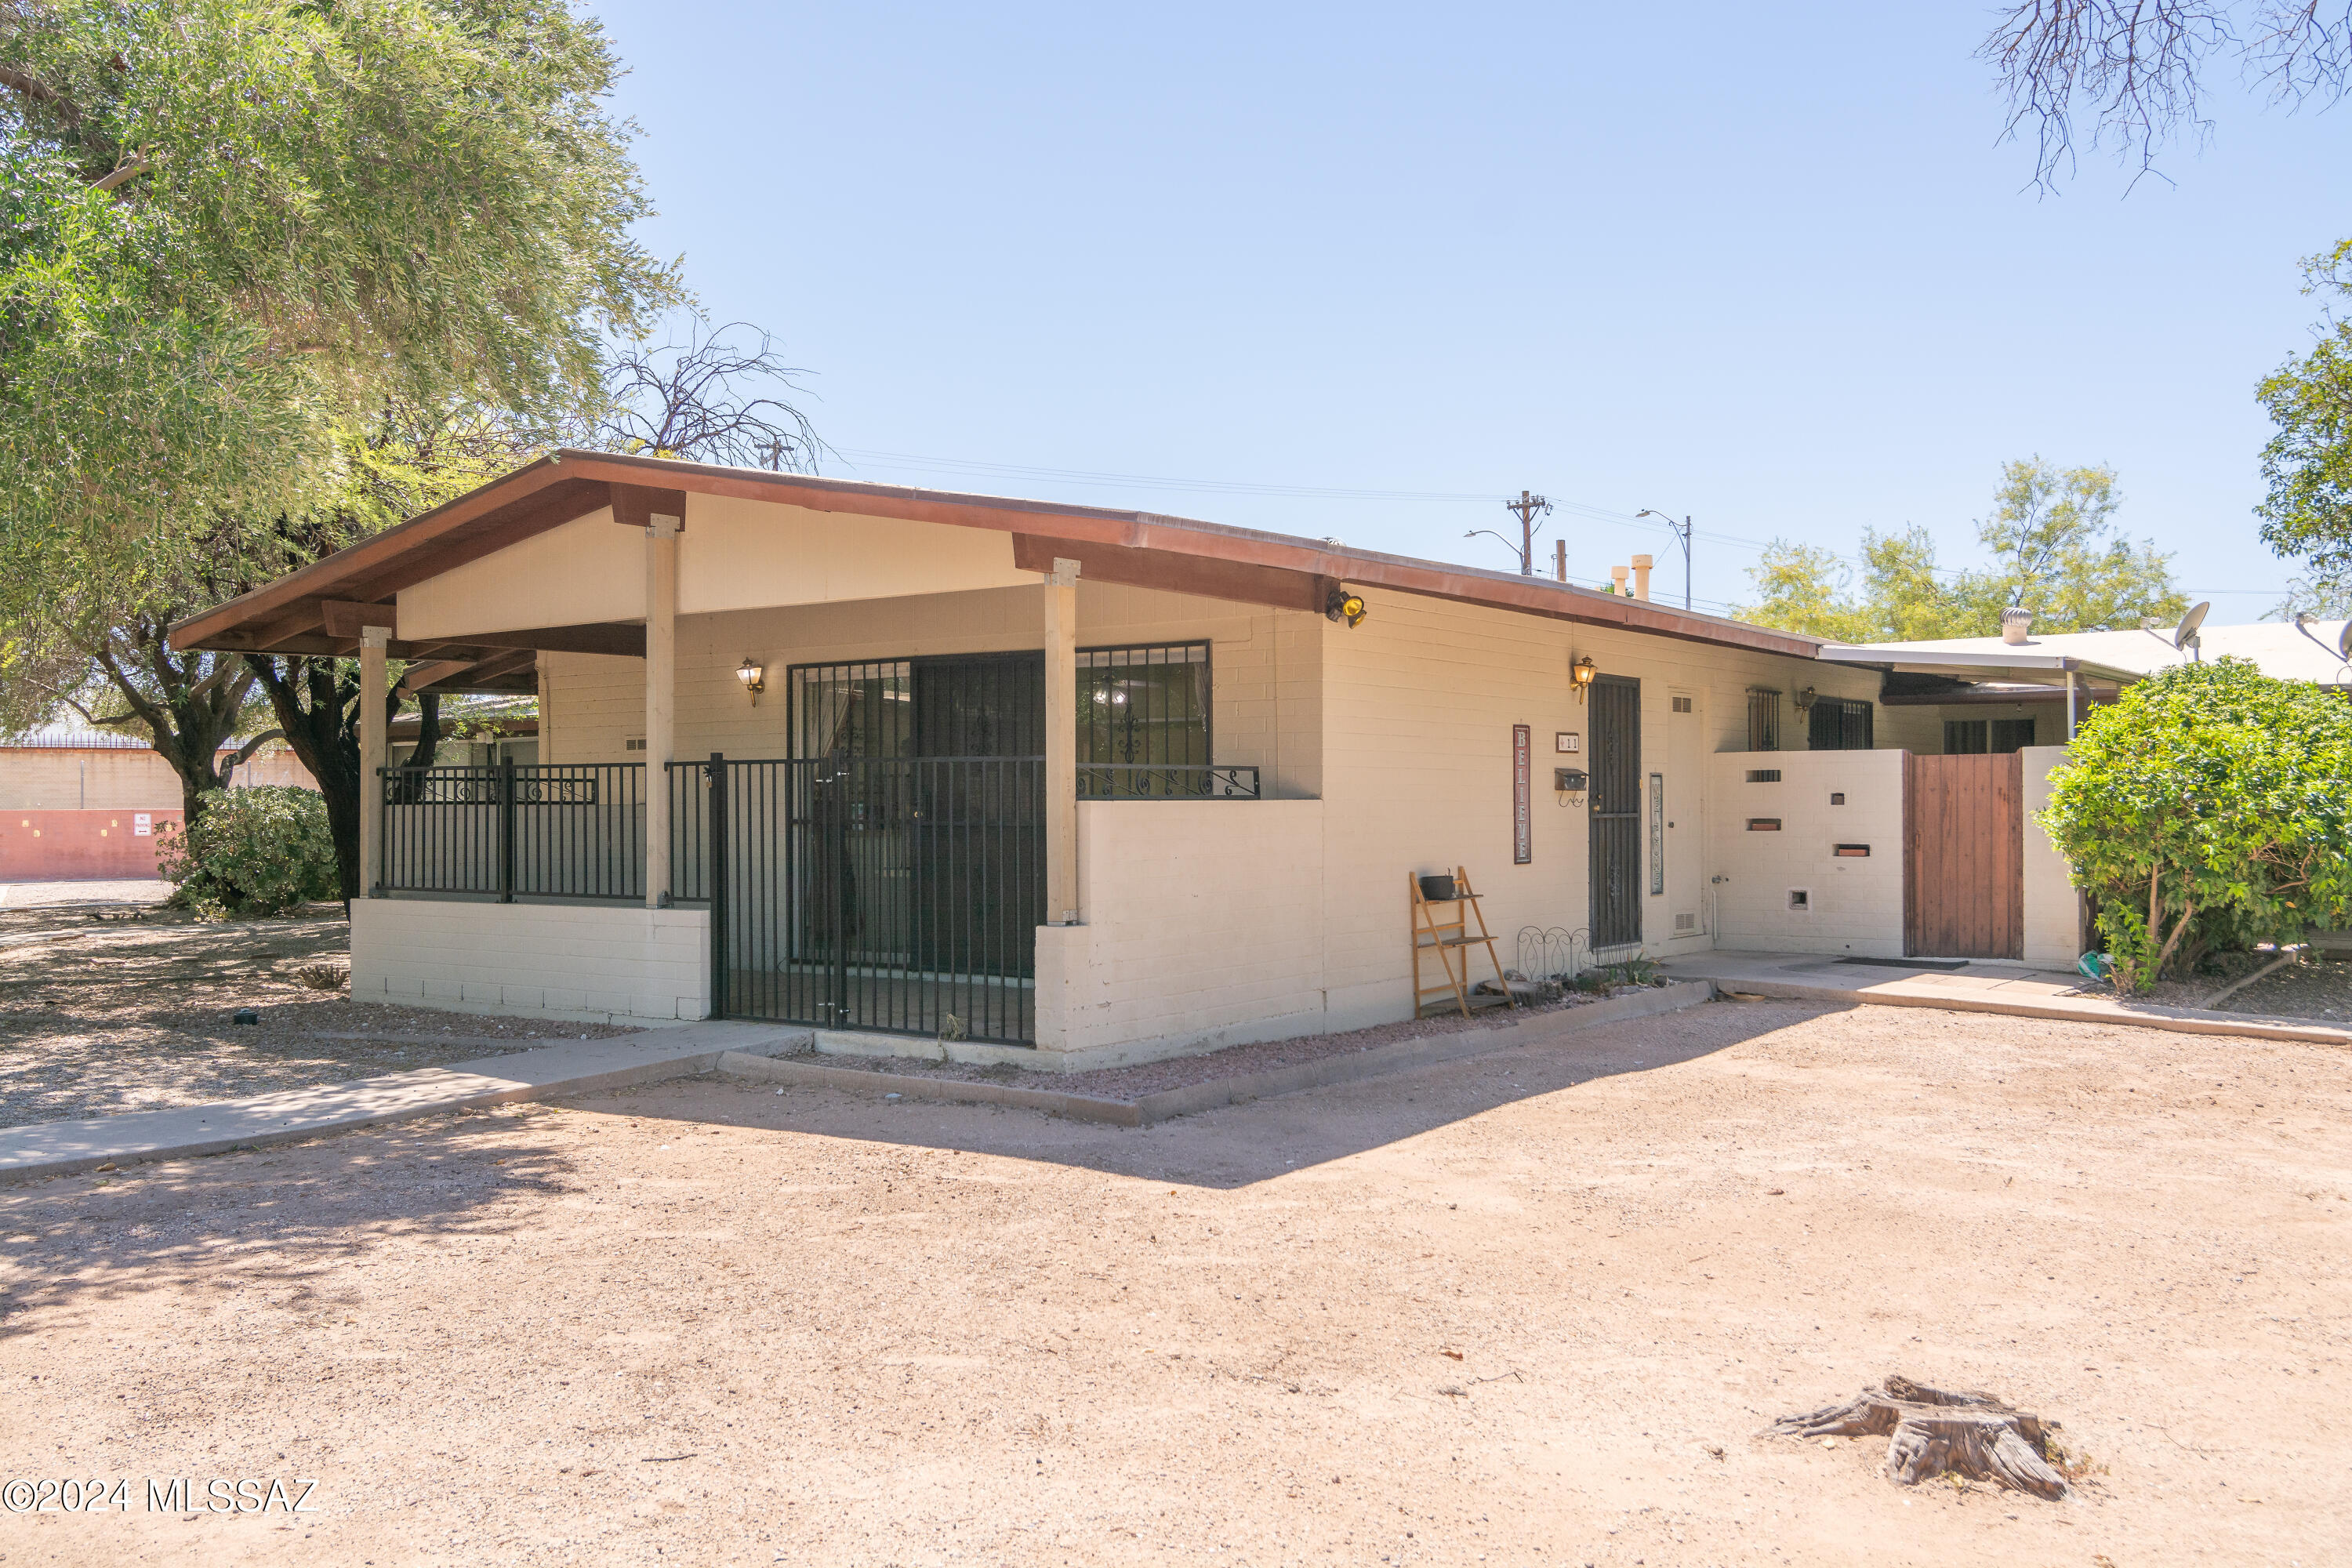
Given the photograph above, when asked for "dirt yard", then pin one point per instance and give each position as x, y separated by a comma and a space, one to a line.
126, 1006
1531, 1308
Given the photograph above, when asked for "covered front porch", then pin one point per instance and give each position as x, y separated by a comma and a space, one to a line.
865, 772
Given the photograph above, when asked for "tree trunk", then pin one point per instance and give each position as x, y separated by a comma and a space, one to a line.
1932, 1432
316, 701
188, 706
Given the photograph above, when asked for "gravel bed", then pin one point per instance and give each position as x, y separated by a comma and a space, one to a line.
128, 1008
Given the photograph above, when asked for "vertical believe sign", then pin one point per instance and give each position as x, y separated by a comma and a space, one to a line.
1523, 848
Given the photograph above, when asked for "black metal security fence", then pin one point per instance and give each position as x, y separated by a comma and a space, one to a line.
891, 893
570, 830
899, 894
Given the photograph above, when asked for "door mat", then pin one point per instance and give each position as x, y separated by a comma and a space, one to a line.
1909, 962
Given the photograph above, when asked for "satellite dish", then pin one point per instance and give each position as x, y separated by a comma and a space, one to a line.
2190, 622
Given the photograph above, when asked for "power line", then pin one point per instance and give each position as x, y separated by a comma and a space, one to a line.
922, 464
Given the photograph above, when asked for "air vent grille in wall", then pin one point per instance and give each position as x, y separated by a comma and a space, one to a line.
1686, 923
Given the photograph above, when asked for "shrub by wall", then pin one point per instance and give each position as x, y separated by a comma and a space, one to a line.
2208, 809
257, 851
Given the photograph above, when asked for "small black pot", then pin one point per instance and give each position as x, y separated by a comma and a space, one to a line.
1438, 890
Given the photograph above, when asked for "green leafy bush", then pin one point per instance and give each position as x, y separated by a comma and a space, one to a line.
257, 851
2208, 809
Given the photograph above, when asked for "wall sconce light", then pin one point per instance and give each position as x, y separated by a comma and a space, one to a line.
1581, 672
1342, 605
1805, 699
754, 678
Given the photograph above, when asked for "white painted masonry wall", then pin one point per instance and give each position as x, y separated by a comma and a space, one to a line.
1853, 905
2053, 905
1204, 929
616, 962
1419, 702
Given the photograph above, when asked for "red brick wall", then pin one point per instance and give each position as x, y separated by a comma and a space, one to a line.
58, 845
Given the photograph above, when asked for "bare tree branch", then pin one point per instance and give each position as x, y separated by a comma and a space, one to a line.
2134, 70
689, 400
136, 166
29, 86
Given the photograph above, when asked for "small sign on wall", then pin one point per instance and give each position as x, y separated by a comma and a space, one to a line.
1657, 833
142, 825
1523, 844
1566, 740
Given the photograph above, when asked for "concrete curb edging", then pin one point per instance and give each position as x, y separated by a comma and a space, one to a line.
44, 1149
1146, 1109
2175, 1023
911, 1086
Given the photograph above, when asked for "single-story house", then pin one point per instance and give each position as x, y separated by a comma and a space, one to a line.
1075, 785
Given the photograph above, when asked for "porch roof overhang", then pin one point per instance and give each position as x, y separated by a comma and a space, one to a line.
2004, 668
321, 608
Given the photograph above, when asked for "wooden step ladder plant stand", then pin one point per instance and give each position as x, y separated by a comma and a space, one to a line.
1451, 941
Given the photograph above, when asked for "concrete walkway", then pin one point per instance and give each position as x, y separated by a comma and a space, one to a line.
1398, 1055
575, 1066
2009, 988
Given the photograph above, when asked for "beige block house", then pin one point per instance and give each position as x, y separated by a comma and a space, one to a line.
1067, 784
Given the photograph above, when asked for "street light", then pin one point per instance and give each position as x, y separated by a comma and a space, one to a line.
1682, 533
1527, 507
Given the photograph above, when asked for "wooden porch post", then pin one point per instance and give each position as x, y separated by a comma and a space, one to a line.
1062, 744
374, 731
661, 699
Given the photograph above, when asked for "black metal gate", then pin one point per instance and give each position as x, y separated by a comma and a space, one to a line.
899, 894
1616, 793
878, 886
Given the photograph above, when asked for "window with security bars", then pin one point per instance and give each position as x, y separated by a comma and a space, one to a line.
1144, 726
1841, 724
851, 710
1763, 721
1974, 737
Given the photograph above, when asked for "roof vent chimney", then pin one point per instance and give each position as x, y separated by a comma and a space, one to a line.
2013, 622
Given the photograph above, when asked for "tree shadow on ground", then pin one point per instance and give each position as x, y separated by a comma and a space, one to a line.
285, 1218
1239, 1145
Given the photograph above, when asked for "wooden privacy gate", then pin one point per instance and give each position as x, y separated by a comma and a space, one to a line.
1964, 856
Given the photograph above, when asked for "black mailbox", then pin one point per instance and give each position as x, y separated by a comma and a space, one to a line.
1569, 779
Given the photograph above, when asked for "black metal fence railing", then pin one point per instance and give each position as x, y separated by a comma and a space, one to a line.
549, 830
899, 894
1158, 781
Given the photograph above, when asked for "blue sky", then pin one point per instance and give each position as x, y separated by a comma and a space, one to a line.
1770, 267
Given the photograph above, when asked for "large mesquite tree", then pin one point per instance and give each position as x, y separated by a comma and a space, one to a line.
227, 224
2209, 807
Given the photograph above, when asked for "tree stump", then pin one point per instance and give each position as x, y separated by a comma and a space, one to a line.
1932, 1432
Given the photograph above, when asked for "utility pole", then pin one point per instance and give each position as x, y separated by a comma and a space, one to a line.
1682, 533
1527, 507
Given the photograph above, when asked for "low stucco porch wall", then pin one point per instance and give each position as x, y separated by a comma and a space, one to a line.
1204, 929
1853, 905
601, 961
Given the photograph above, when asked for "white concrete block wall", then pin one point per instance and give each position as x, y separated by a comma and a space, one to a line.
1854, 906
550, 960
1203, 928
1419, 702
2053, 906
